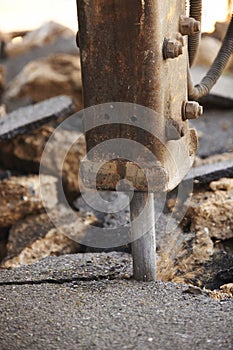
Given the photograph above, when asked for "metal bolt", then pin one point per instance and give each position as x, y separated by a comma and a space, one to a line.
191, 110
189, 26
172, 48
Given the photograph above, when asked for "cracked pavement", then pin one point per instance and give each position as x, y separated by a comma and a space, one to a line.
89, 301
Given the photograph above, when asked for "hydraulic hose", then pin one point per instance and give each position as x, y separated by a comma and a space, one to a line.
220, 62
195, 11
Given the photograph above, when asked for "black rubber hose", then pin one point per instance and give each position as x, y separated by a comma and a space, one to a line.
220, 62
195, 11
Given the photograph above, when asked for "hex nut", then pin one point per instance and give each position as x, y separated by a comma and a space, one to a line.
191, 110
189, 26
172, 48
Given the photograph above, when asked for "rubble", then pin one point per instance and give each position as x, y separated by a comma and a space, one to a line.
20, 196
210, 215
47, 33
227, 288
211, 171
212, 159
70, 167
203, 247
225, 184
25, 151
58, 74
31, 117
36, 237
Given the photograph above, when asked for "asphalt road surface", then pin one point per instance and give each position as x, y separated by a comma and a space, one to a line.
89, 301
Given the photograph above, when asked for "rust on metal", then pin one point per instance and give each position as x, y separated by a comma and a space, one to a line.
147, 177
172, 48
189, 25
192, 110
122, 58
121, 47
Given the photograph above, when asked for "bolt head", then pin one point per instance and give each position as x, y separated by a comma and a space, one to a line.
189, 26
192, 110
172, 48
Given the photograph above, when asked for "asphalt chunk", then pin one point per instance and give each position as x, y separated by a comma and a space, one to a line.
28, 118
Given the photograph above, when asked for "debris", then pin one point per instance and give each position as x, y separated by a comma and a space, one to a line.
194, 290
28, 118
210, 213
70, 167
225, 184
210, 172
45, 34
213, 159
36, 237
20, 196
225, 292
176, 261
55, 75
203, 247
227, 288
25, 151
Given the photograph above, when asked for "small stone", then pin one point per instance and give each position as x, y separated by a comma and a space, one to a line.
193, 290
227, 288
225, 184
